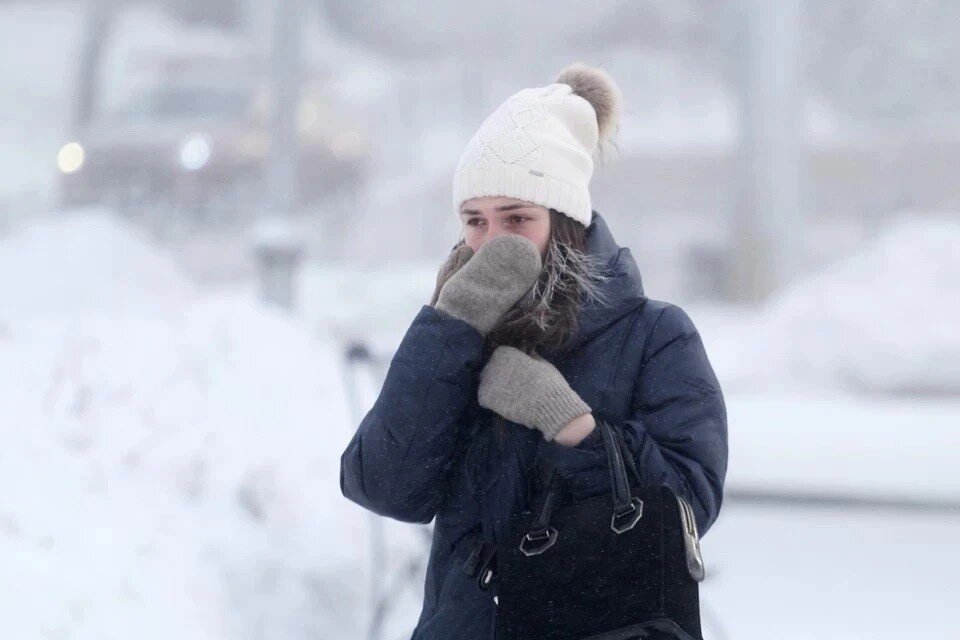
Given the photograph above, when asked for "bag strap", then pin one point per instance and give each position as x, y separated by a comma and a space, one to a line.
627, 510
627, 455
619, 483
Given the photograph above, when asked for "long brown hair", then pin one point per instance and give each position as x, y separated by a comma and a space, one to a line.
547, 316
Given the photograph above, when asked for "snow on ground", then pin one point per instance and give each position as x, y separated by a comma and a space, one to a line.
171, 459
834, 444
795, 573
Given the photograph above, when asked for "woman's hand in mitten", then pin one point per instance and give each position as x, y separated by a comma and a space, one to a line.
530, 391
483, 290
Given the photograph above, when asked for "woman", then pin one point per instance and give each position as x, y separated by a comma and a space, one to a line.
538, 328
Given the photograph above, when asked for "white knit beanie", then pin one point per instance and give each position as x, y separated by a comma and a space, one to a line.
538, 145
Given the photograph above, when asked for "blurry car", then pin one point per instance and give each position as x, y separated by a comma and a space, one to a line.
202, 144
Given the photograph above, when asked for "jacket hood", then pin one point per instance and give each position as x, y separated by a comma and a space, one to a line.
623, 291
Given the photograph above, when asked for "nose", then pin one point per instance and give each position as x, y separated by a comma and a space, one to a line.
494, 229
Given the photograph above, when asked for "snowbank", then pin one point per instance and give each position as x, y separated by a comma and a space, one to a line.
884, 320
87, 260
171, 460
881, 321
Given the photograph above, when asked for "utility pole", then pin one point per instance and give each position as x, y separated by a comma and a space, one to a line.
278, 247
768, 228
97, 22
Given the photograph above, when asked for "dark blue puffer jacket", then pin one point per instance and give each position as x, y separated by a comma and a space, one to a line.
425, 449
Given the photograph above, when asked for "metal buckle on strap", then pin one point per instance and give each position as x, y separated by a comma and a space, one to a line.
545, 537
487, 567
633, 513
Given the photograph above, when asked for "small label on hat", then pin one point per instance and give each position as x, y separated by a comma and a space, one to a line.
536, 173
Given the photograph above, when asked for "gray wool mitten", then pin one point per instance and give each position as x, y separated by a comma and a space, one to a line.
528, 390
483, 290
458, 257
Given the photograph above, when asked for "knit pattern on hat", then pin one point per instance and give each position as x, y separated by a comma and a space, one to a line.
537, 147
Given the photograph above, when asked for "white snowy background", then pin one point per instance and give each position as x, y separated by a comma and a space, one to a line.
169, 447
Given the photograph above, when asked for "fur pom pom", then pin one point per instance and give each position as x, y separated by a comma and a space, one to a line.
598, 88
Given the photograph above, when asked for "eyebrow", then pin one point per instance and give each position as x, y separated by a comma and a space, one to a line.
506, 207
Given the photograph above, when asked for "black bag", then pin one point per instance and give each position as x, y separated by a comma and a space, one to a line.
608, 567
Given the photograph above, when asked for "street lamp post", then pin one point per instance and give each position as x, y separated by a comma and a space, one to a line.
277, 246
767, 222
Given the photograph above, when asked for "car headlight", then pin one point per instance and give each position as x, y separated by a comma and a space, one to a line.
195, 151
70, 158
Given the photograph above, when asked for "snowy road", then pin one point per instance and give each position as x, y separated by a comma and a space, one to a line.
802, 573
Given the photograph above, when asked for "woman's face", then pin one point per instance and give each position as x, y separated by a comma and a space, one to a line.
490, 216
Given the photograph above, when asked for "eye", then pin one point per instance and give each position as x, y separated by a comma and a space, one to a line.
518, 219
472, 221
